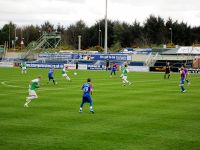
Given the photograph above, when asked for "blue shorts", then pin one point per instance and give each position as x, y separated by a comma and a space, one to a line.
113, 71
86, 99
181, 82
50, 77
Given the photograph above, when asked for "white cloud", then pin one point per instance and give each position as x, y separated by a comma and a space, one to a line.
23, 12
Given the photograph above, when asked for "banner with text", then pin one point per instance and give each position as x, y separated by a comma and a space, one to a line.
117, 57
40, 65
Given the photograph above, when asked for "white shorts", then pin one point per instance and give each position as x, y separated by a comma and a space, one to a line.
23, 68
32, 93
124, 77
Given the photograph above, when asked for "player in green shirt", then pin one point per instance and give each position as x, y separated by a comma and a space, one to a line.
34, 84
23, 66
124, 75
64, 74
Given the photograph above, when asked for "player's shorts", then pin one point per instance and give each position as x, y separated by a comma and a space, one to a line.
113, 71
32, 93
50, 77
124, 77
64, 75
23, 68
86, 99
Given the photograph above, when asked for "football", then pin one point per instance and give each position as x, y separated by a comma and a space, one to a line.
75, 73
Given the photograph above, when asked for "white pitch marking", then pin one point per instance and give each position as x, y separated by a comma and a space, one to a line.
9, 85
15, 86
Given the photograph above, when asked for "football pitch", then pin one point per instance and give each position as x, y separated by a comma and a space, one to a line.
150, 114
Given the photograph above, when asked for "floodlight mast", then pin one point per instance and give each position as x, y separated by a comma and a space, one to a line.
171, 35
106, 30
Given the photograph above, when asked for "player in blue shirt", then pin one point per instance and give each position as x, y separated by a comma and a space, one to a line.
113, 69
51, 76
182, 73
86, 88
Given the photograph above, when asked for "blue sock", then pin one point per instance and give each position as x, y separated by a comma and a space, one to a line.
182, 87
81, 105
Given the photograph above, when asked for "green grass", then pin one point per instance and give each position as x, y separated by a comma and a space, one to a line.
151, 114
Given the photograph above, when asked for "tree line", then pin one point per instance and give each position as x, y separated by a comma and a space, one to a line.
154, 31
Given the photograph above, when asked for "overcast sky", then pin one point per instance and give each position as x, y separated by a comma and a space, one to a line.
65, 12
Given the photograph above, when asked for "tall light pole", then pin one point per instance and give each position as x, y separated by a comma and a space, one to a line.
99, 35
100, 38
171, 35
9, 37
79, 42
15, 38
106, 30
22, 39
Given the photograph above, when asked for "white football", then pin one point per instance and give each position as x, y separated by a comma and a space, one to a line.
75, 73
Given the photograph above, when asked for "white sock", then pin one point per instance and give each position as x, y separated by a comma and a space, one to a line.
27, 102
126, 81
68, 78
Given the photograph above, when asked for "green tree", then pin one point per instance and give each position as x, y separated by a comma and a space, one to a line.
154, 28
47, 27
7, 33
73, 31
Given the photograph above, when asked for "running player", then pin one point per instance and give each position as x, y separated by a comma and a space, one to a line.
64, 74
34, 84
186, 74
86, 98
124, 75
182, 73
51, 76
113, 69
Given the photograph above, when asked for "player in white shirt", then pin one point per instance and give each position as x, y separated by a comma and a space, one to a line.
64, 74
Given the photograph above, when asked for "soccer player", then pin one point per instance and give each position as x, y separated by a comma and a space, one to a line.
167, 71
186, 74
51, 76
23, 67
113, 69
86, 98
107, 65
124, 75
64, 74
34, 84
182, 73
